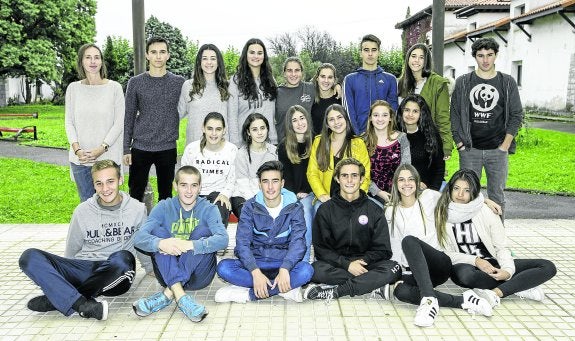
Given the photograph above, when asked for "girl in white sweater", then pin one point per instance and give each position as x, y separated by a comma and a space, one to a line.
474, 239
215, 158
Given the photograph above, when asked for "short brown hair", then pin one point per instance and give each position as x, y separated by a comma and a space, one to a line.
348, 161
191, 170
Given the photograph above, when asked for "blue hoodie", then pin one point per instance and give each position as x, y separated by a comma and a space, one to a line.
260, 237
361, 89
209, 234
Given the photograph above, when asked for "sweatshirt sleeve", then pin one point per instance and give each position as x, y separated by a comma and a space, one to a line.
455, 111
130, 114
348, 101
117, 128
184, 99
297, 247
145, 239
362, 156
405, 149
244, 237
145, 260
242, 188
69, 115
321, 235
75, 239
381, 245
441, 115
313, 172
515, 109
219, 238
392, 91
233, 112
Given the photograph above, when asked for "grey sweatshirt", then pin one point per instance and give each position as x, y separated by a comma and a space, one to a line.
151, 122
95, 233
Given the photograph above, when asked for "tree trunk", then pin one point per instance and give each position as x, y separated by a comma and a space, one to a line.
28, 89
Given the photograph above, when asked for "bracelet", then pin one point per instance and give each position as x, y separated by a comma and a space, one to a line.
461, 147
76, 151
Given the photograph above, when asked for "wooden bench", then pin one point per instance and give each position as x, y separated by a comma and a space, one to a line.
18, 132
20, 114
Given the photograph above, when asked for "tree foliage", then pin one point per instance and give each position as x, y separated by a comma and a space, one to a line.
178, 62
231, 59
40, 39
119, 59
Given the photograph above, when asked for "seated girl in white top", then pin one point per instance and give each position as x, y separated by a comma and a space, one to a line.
215, 158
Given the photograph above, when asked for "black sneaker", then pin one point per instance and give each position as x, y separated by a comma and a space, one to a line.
94, 309
319, 292
41, 304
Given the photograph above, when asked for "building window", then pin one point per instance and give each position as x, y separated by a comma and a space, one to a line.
518, 10
518, 72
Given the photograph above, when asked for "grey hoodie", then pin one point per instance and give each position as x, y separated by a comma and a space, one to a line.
95, 233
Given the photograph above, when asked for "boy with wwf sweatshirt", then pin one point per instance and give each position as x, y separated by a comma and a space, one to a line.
270, 245
183, 235
367, 84
351, 241
99, 257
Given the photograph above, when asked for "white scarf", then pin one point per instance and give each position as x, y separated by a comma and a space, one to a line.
458, 213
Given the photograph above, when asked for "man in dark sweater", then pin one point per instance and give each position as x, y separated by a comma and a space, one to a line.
151, 122
351, 241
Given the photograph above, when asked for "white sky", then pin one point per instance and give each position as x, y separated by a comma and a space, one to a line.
233, 22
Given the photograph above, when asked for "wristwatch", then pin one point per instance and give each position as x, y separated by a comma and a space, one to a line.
105, 145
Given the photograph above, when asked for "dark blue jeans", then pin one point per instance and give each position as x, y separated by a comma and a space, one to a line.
234, 272
193, 271
65, 280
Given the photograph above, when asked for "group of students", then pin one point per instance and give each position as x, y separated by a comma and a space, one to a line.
351, 177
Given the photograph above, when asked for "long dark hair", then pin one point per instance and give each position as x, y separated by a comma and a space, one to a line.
291, 142
425, 123
246, 128
324, 146
211, 116
199, 80
440, 213
245, 80
406, 82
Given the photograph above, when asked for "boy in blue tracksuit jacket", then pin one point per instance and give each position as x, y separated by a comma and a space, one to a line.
270, 244
183, 235
367, 84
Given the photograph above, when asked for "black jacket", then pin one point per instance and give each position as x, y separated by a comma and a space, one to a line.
345, 231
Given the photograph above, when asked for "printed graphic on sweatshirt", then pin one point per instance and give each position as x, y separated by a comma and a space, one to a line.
483, 98
183, 228
109, 233
209, 167
257, 103
468, 241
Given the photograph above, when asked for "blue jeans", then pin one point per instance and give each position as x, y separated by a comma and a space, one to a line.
65, 280
496, 164
193, 271
308, 214
234, 272
83, 178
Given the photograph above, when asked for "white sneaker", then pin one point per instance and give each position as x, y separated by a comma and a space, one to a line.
293, 295
475, 304
489, 295
427, 312
232, 293
535, 294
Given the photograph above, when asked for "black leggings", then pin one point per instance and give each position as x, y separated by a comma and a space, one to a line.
429, 268
529, 273
224, 212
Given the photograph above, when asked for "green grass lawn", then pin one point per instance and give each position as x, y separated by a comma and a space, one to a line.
40, 193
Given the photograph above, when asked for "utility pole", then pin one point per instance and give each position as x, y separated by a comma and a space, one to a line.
437, 35
138, 28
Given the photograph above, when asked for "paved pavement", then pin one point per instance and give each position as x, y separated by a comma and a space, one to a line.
358, 318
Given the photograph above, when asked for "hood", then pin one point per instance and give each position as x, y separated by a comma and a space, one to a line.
287, 196
340, 201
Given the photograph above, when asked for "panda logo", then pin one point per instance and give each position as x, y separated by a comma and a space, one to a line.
484, 97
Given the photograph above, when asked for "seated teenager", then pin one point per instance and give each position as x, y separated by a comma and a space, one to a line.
270, 244
350, 240
93, 264
474, 239
183, 235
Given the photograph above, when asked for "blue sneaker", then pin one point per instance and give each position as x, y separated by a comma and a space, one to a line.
194, 311
149, 305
